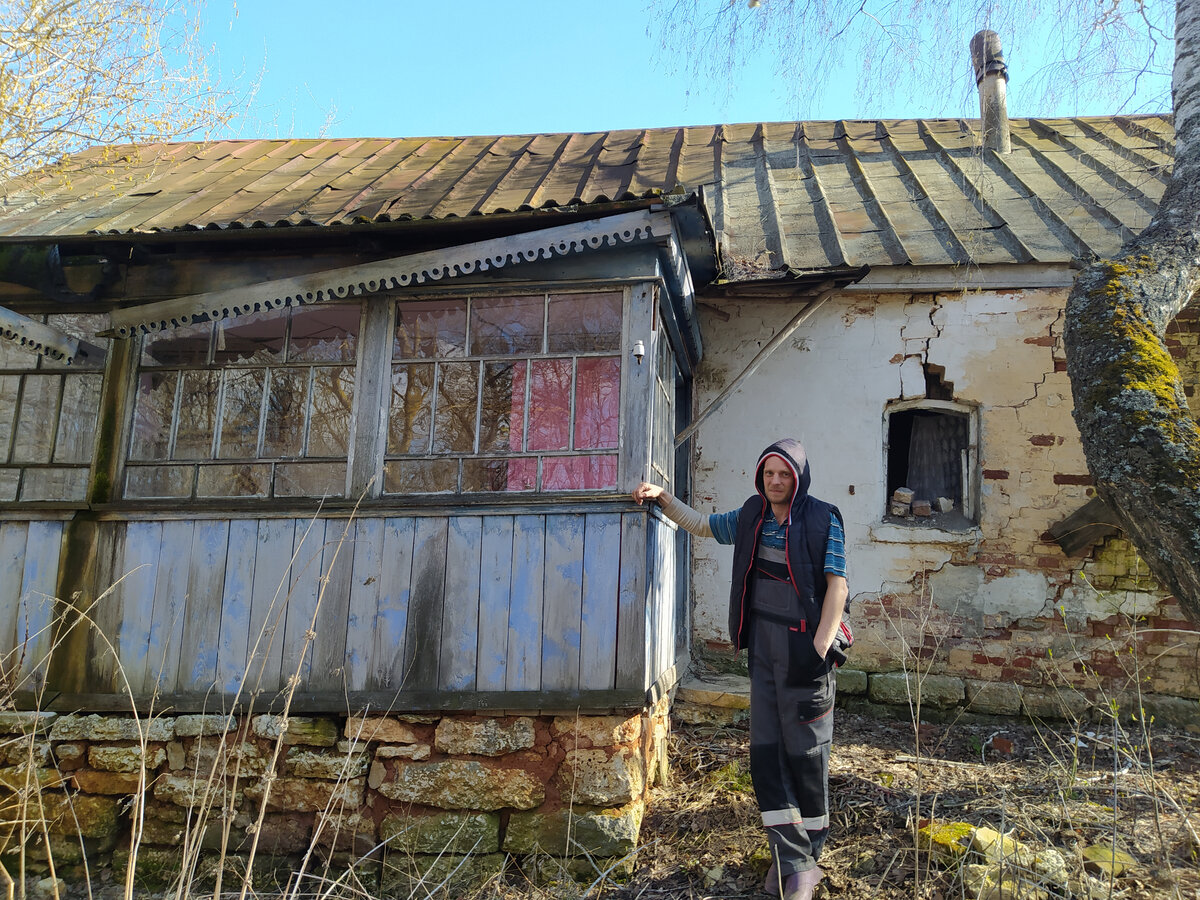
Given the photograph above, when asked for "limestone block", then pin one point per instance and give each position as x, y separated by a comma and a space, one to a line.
308, 794
606, 832
1001, 698
943, 504
189, 790
598, 731
297, 730
697, 714
1063, 703
110, 728
728, 691
922, 508
352, 830
247, 759
442, 832
70, 755
463, 784
851, 681
24, 749
484, 737
402, 751
83, 815
384, 729
175, 755
598, 778
900, 509
195, 726
901, 688
903, 495
434, 876
1173, 712
26, 722
92, 782
161, 831
912, 379
312, 764
125, 759
25, 777
284, 833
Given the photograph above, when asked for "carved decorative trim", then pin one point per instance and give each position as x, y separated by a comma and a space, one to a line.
36, 337
400, 272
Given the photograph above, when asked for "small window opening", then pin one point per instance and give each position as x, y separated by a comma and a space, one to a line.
930, 468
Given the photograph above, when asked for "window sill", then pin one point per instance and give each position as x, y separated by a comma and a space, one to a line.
916, 534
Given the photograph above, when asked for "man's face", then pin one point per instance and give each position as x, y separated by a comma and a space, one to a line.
778, 480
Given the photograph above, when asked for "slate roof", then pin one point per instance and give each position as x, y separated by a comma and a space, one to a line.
796, 196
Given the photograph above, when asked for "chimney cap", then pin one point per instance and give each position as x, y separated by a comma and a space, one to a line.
987, 55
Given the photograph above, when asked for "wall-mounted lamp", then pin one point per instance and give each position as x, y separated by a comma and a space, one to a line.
639, 350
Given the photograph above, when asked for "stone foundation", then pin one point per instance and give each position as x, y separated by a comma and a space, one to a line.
397, 796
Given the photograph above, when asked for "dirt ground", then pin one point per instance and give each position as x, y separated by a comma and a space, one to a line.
1049, 785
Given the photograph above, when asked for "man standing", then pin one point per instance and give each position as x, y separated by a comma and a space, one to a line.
785, 606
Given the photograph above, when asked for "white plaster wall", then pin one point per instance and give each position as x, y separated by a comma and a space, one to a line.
829, 387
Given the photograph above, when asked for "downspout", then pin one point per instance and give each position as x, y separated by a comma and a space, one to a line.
991, 77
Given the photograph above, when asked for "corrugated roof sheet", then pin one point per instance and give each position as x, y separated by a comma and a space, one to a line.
792, 195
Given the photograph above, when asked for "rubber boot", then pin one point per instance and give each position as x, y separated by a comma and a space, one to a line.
800, 886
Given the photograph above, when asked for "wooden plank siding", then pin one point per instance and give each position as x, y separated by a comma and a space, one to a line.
29, 560
552, 604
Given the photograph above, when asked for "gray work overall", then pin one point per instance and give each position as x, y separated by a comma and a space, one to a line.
791, 720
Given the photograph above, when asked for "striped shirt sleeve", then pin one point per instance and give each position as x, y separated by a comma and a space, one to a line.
724, 526
835, 548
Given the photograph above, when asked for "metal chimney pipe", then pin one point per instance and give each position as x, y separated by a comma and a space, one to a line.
991, 77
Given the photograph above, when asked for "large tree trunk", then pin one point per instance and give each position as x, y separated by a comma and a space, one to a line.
1140, 439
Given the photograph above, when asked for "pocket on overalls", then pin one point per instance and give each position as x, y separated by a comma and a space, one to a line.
804, 665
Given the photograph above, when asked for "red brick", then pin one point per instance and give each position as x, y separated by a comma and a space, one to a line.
1043, 341
1072, 479
1060, 365
1042, 440
1050, 562
995, 474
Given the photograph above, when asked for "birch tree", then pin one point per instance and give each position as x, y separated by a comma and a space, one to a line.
1139, 437
76, 73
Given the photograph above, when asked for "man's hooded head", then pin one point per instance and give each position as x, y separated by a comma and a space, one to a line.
791, 454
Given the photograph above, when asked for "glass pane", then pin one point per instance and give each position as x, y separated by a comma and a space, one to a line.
158, 481
420, 476
430, 329
519, 474
286, 402
310, 479
14, 356
411, 415
329, 420
506, 325
184, 346
152, 416
234, 481
8, 483
584, 322
10, 388
579, 473
197, 415
252, 338
550, 404
77, 422
37, 418
54, 484
502, 417
324, 333
597, 402
239, 416
83, 326
454, 430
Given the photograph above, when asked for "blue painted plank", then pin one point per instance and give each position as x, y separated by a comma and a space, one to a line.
423, 638
170, 607
562, 602
304, 586
234, 641
333, 607
631, 605
268, 602
495, 586
364, 603
39, 584
134, 595
206, 587
601, 589
391, 619
525, 609
13, 537
460, 613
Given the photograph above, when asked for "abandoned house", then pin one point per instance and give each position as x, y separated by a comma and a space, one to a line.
345, 430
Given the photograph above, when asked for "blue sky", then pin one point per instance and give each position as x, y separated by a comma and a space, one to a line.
370, 68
